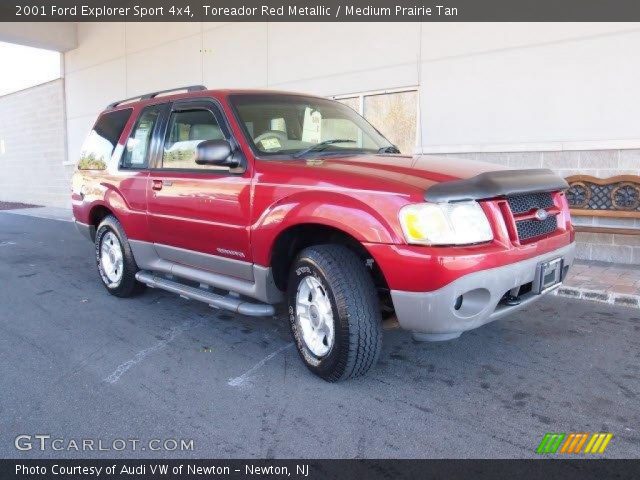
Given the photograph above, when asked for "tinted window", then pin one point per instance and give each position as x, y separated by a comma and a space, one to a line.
186, 130
101, 141
136, 152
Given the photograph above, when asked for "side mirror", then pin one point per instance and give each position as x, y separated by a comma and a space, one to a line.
215, 152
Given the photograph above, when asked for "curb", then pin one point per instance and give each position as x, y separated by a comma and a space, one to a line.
612, 298
48, 213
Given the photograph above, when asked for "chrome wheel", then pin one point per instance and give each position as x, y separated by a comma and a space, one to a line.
111, 259
314, 316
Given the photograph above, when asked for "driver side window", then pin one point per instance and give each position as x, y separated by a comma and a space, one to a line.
186, 130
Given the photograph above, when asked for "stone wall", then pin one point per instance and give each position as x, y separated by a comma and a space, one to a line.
33, 146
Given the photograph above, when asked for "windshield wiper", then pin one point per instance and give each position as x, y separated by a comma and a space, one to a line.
389, 149
321, 146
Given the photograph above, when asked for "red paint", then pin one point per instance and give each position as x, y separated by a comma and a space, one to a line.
360, 195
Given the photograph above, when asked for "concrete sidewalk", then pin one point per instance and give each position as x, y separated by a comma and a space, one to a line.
52, 213
588, 280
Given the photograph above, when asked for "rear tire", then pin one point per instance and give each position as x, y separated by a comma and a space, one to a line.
114, 258
334, 312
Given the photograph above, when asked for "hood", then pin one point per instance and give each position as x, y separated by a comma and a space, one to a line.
398, 172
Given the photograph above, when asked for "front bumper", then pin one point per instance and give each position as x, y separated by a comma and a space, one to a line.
433, 316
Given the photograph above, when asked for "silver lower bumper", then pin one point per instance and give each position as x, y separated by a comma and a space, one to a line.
433, 316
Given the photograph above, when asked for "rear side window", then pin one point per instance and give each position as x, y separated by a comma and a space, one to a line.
102, 140
136, 153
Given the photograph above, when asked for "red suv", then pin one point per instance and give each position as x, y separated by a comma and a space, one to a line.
245, 199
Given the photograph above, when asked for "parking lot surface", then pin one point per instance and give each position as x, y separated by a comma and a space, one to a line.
77, 363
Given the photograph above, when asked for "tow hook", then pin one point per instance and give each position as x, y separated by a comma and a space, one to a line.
511, 297
511, 300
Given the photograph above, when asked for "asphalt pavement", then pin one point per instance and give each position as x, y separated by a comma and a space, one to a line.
78, 364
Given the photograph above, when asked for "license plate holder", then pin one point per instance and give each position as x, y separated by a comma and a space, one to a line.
548, 275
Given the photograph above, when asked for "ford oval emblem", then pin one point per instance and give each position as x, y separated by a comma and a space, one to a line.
541, 214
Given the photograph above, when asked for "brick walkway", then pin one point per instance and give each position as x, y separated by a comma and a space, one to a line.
603, 282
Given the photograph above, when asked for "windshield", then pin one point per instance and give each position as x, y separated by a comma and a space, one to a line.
277, 124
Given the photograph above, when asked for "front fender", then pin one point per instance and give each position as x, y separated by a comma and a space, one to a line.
371, 220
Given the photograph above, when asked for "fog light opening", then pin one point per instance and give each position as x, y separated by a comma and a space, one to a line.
471, 303
458, 303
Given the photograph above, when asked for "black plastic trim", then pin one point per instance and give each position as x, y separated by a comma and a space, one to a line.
496, 184
153, 143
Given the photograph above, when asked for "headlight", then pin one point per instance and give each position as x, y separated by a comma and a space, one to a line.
459, 223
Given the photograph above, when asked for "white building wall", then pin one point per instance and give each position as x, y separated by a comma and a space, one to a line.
523, 87
32, 146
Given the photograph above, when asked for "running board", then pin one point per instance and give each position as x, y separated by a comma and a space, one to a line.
227, 302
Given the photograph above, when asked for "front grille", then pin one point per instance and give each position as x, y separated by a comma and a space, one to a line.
530, 201
535, 228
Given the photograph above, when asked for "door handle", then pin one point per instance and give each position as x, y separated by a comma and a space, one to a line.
167, 183
156, 185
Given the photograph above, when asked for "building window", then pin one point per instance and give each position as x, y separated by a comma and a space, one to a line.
352, 102
393, 112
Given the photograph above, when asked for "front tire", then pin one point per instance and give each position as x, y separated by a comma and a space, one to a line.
114, 258
334, 312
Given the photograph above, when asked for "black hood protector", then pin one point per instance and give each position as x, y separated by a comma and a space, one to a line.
496, 184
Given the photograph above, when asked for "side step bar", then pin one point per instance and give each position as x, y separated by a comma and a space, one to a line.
228, 302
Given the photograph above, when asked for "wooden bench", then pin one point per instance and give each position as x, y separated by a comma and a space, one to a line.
614, 197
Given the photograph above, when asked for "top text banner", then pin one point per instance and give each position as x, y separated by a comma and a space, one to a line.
320, 10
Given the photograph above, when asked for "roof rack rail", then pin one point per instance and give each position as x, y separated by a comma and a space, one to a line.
147, 96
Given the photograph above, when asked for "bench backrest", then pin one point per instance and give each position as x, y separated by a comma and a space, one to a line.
617, 197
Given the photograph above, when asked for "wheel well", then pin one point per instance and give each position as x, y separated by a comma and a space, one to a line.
293, 240
97, 214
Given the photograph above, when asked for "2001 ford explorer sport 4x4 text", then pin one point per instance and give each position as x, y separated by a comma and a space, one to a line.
246, 199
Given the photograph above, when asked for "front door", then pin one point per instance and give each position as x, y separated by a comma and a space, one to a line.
198, 214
